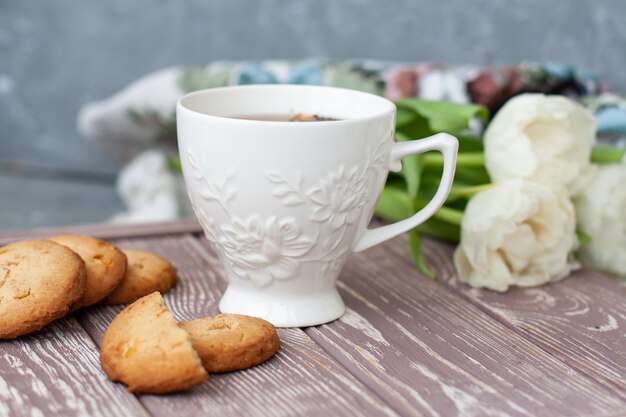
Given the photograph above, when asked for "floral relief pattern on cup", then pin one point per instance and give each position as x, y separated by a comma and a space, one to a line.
208, 224
338, 197
263, 250
377, 156
288, 191
212, 191
334, 264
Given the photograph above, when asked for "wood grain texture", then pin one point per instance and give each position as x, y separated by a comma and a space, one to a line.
430, 352
301, 379
56, 371
580, 320
406, 346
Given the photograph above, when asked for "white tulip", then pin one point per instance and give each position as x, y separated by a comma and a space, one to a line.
601, 212
517, 233
542, 138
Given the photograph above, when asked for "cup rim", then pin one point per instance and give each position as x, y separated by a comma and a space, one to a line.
180, 106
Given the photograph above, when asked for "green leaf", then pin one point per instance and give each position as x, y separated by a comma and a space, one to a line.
415, 247
446, 214
401, 137
394, 205
412, 124
404, 117
395, 180
174, 164
428, 185
474, 176
444, 116
469, 144
440, 230
411, 169
606, 155
412, 172
583, 238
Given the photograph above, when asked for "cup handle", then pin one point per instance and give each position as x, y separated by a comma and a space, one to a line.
442, 142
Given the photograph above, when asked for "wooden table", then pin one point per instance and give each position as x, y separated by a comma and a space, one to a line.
407, 346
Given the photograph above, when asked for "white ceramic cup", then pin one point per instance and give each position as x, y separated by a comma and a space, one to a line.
285, 203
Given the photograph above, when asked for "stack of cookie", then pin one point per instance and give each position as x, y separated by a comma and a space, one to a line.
43, 280
144, 347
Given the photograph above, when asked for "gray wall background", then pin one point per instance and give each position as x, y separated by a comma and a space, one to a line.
57, 55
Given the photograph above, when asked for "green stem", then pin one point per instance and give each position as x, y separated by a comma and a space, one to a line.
457, 193
606, 155
446, 214
599, 155
464, 159
449, 215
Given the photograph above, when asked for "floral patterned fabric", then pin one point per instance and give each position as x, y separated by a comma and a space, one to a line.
486, 86
141, 117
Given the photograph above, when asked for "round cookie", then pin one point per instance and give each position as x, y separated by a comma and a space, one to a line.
230, 342
39, 281
106, 266
146, 273
144, 348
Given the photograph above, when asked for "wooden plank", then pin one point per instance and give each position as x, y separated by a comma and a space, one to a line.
300, 380
580, 320
431, 352
432, 389
107, 230
56, 371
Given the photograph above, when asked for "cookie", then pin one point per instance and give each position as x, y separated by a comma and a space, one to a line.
146, 273
39, 281
144, 348
230, 342
106, 266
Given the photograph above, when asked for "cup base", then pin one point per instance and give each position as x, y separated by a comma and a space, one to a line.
284, 310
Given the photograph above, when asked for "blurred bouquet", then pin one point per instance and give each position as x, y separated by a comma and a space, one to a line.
532, 198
